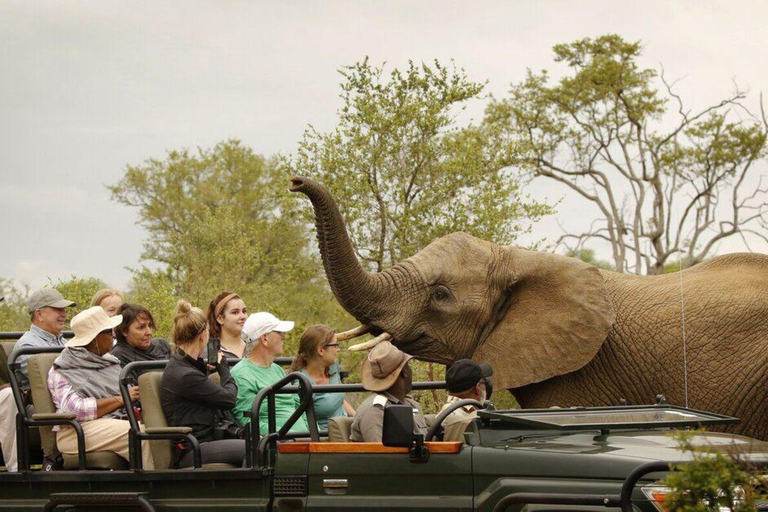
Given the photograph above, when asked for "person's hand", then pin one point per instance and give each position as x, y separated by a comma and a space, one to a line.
133, 391
221, 356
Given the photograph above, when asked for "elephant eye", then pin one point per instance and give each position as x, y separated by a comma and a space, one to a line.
441, 293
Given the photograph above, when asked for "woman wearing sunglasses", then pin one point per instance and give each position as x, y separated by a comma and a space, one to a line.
318, 349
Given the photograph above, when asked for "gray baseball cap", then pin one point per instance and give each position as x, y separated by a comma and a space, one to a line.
48, 298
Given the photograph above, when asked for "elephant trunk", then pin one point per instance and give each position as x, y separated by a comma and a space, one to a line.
355, 288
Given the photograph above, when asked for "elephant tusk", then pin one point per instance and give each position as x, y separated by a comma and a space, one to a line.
371, 343
353, 333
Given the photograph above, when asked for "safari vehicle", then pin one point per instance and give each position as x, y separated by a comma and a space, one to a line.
555, 459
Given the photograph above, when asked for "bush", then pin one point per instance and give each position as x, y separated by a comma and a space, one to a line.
718, 478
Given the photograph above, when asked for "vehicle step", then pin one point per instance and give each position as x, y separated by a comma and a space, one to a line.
98, 499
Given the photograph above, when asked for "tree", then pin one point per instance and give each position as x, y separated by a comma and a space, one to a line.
14, 316
668, 182
79, 290
405, 173
223, 218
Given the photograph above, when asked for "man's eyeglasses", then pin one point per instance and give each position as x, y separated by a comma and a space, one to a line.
331, 345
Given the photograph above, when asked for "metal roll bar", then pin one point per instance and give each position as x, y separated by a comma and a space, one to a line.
24, 423
447, 412
135, 434
306, 405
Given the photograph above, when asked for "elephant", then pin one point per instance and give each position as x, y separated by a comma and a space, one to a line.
561, 332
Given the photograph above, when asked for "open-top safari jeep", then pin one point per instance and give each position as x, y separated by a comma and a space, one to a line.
554, 459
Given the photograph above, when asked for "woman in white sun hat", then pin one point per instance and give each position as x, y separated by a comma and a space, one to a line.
84, 381
264, 335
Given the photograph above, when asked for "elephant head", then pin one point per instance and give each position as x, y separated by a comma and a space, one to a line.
531, 315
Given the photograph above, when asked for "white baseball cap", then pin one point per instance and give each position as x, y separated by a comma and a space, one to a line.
263, 323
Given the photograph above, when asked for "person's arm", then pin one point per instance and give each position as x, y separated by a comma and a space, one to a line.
348, 408
246, 392
113, 403
200, 389
67, 401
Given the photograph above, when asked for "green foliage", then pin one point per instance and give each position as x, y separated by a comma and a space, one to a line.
13, 310
402, 170
588, 256
14, 316
716, 479
667, 181
79, 290
223, 219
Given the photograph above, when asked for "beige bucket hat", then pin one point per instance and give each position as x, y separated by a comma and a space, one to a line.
89, 323
383, 366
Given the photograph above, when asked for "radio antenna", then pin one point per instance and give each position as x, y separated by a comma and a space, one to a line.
685, 348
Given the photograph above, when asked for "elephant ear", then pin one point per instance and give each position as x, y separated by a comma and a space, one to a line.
553, 317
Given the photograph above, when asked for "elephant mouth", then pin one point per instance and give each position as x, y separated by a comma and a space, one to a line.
421, 346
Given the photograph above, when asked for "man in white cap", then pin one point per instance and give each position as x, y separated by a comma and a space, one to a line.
47, 309
386, 372
84, 381
264, 335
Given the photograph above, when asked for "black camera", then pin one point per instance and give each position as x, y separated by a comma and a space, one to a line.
226, 429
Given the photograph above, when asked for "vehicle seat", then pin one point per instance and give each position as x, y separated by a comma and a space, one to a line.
339, 429
153, 417
39, 366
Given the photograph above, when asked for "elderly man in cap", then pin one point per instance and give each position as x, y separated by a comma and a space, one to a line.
47, 309
464, 379
84, 381
264, 335
385, 372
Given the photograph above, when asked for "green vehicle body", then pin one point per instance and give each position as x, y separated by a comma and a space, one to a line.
508, 457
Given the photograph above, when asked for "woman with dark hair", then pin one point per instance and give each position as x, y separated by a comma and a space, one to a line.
134, 336
318, 349
190, 399
84, 381
226, 317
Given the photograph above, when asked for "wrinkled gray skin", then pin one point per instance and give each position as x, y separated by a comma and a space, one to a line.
558, 331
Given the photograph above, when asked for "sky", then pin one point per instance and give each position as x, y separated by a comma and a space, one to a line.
89, 87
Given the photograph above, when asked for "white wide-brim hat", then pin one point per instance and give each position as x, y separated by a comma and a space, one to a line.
89, 323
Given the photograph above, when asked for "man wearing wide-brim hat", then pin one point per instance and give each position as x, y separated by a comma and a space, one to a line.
385, 372
84, 381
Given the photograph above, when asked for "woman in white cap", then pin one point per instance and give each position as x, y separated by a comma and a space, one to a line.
84, 381
264, 335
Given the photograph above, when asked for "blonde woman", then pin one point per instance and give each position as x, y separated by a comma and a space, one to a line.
318, 350
110, 300
190, 399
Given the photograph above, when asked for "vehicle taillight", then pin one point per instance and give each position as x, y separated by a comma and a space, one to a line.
656, 494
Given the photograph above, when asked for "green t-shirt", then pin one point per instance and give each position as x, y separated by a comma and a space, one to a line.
250, 379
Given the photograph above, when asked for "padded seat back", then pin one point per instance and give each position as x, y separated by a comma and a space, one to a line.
152, 416
339, 429
8, 347
38, 367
